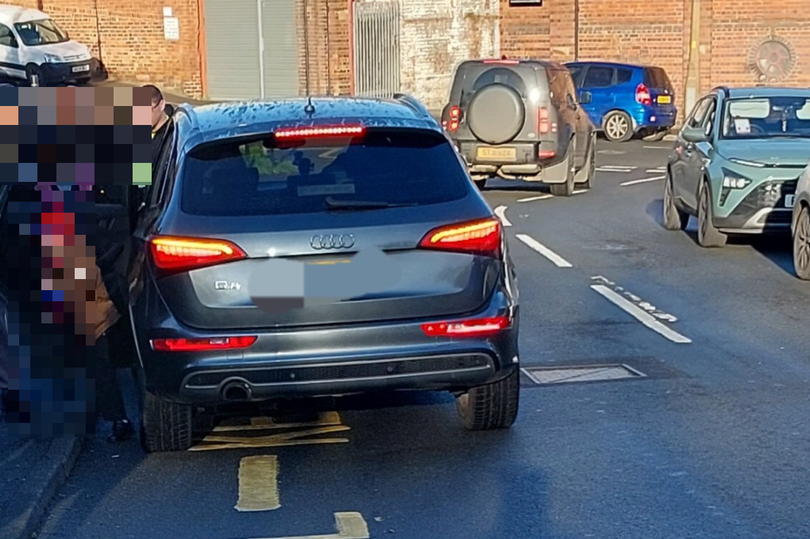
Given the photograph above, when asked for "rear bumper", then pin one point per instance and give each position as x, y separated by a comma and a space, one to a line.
331, 361
526, 165
653, 118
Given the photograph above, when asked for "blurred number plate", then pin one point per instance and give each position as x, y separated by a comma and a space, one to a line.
497, 154
790, 200
664, 100
79, 69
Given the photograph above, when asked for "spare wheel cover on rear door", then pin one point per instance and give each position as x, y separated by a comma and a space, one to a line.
496, 114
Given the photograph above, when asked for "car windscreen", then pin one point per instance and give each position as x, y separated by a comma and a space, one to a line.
767, 117
43, 32
265, 176
655, 77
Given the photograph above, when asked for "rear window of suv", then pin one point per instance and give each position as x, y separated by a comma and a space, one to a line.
257, 177
655, 77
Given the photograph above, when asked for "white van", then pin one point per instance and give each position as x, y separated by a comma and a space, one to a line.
33, 47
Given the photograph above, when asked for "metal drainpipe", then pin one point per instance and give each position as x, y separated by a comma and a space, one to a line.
576, 30
98, 32
693, 73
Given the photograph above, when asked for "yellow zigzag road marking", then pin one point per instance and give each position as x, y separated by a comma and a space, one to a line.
258, 484
349, 526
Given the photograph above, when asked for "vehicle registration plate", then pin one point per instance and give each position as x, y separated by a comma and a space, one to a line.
790, 200
497, 154
664, 100
79, 69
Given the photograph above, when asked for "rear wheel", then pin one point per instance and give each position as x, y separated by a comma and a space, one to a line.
566, 189
674, 219
493, 406
618, 126
166, 426
708, 235
801, 245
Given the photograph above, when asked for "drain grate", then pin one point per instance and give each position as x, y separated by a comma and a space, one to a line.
578, 374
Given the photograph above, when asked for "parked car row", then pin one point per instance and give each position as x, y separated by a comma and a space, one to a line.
741, 165
537, 120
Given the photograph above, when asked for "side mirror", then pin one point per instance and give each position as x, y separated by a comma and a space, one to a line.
585, 98
694, 135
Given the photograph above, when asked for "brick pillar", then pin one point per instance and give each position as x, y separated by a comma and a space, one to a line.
562, 29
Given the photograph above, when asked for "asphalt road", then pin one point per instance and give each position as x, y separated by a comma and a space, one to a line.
712, 442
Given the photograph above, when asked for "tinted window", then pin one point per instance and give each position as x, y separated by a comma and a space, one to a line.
259, 177
767, 117
598, 77
576, 71
500, 75
655, 77
6, 37
623, 76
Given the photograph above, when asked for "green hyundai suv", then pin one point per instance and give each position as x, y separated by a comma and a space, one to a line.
736, 163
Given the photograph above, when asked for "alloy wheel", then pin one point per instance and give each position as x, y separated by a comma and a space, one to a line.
617, 127
801, 245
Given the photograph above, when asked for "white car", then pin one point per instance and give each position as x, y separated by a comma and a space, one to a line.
800, 226
34, 48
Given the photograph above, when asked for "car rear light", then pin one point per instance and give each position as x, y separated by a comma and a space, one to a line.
202, 345
643, 95
477, 327
455, 118
476, 237
323, 131
542, 121
182, 254
546, 154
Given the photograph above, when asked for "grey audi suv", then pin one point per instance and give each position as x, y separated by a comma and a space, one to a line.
317, 247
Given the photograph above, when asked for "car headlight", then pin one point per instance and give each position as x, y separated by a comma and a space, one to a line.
53, 59
734, 181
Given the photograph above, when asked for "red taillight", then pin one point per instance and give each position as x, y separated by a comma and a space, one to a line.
455, 118
202, 345
478, 327
319, 132
542, 121
502, 61
546, 154
176, 254
643, 95
478, 237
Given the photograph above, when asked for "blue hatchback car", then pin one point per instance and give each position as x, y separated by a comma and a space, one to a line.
624, 100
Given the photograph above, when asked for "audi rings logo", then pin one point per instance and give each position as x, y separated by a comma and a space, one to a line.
332, 241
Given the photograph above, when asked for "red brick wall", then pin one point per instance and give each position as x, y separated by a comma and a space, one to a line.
642, 31
323, 27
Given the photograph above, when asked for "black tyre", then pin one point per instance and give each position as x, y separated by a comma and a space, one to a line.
493, 406
618, 126
480, 184
674, 219
165, 425
801, 245
658, 136
33, 75
566, 189
708, 235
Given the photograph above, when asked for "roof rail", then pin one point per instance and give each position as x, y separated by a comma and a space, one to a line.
414, 103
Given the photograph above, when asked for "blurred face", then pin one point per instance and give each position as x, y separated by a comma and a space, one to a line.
158, 113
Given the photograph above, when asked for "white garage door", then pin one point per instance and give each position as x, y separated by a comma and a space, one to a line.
251, 49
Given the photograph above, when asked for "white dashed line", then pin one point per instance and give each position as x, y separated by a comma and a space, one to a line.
657, 148
500, 211
616, 169
532, 199
645, 180
637, 313
658, 170
532, 243
579, 191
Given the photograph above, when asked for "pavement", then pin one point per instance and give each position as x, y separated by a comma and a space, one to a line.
671, 401
33, 470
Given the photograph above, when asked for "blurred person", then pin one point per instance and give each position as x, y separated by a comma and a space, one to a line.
161, 112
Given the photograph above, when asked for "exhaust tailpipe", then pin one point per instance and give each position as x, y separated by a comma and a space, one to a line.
236, 391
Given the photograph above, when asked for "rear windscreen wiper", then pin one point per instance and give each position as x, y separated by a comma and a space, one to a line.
332, 204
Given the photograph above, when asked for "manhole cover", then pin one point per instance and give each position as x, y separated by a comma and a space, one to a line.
593, 373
